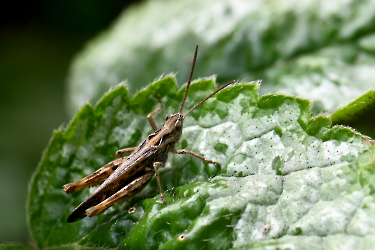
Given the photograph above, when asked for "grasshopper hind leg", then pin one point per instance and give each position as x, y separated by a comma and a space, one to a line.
95, 178
129, 190
125, 193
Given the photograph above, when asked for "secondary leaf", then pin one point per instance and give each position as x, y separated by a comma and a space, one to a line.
321, 50
283, 174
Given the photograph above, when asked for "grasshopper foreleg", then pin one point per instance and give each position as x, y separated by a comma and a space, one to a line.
184, 151
95, 178
151, 119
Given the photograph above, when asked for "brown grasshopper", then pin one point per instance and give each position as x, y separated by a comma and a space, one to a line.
124, 177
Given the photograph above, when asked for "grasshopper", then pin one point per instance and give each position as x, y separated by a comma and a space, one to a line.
124, 177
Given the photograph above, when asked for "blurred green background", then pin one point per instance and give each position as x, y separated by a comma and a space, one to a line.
38, 40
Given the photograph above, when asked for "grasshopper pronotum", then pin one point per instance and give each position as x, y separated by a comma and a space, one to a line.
124, 177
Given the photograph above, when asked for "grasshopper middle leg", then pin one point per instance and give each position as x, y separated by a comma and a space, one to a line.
156, 165
124, 151
184, 151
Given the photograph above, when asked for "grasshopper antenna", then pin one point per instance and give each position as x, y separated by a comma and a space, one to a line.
188, 84
205, 99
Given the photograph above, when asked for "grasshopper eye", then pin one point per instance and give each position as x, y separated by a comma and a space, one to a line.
168, 117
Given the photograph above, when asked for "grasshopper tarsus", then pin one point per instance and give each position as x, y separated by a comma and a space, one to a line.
124, 177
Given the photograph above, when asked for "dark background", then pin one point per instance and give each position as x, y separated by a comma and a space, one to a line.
38, 40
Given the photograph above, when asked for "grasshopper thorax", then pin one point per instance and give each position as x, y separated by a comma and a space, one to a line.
173, 125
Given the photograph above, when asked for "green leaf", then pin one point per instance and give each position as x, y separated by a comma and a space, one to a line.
339, 241
284, 177
331, 76
355, 108
13, 247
